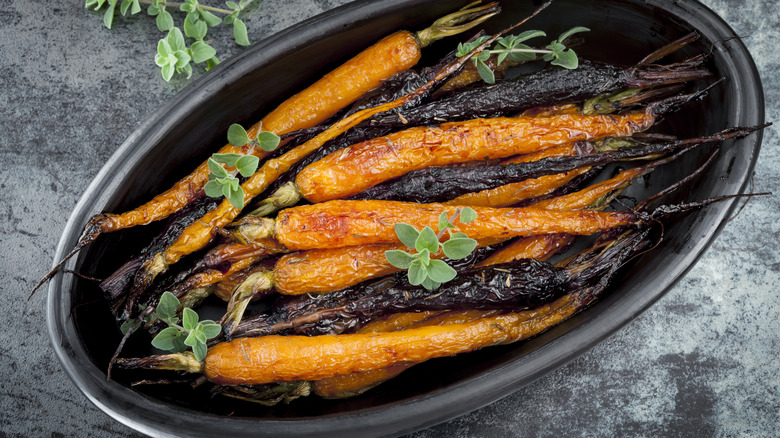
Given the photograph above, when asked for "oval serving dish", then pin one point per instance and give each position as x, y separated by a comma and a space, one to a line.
243, 89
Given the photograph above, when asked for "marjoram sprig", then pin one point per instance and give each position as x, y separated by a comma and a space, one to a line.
223, 181
512, 47
422, 269
173, 53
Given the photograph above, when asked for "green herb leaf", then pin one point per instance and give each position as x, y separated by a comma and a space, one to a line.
166, 308
191, 340
176, 40
211, 63
399, 259
240, 33
458, 248
125, 6
572, 31
182, 59
467, 215
427, 239
237, 135
108, 16
196, 31
466, 48
232, 5
210, 19
236, 198
247, 165
430, 284
135, 7
485, 72
444, 221
230, 160
216, 169
213, 189
567, 59
165, 339
407, 234
189, 318
164, 21
200, 350
441, 272
210, 329
417, 273
153, 10
268, 141
201, 51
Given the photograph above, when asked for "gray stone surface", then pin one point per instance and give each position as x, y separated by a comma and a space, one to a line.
702, 361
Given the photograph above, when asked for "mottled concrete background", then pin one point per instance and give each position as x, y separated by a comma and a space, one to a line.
702, 361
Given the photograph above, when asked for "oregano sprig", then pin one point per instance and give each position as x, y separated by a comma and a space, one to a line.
174, 55
177, 337
512, 47
422, 269
224, 182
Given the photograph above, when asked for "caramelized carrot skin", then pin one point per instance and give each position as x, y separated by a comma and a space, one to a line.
248, 361
337, 89
349, 223
394, 53
351, 170
329, 269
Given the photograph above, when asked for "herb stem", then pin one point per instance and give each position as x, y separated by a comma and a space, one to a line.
519, 51
178, 4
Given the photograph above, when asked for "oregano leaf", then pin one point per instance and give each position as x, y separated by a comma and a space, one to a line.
441, 272
201, 51
417, 273
189, 318
467, 215
230, 160
427, 240
165, 339
237, 135
236, 198
164, 21
200, 351
485, 72
247, 165
166, 308
567, 59
213, 189
268, 141
399, 259
458, 248
240, 33
216, 169
210, 329
406, 233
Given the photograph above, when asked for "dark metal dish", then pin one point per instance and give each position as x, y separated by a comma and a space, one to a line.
242, 89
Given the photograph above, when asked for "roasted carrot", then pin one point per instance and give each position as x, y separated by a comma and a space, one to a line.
348, 223
358, 167
321, 100
352, 384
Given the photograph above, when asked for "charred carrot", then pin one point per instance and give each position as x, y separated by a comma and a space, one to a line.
547, 87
